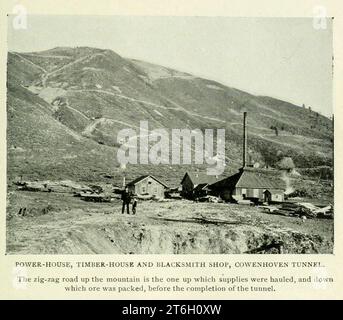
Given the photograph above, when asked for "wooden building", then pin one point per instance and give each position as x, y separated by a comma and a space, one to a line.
258, 185
195, 185
147, 185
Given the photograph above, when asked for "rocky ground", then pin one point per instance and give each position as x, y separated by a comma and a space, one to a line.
58, 223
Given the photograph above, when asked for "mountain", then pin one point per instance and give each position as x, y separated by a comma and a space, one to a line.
65, 107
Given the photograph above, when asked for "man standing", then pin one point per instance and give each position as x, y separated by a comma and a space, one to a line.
126, 197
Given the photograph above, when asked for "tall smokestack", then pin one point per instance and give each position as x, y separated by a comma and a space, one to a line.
245, 141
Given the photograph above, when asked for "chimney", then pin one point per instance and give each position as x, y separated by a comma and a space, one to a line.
245, 141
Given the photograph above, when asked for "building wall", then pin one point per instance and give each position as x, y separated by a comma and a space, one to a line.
277, 194
149, 186
278, 197
226, 194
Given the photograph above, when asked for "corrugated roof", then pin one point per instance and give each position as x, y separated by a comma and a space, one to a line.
253, 179
133, 182
201, 178
250, 179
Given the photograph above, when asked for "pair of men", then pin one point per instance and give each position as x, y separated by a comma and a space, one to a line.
127, 197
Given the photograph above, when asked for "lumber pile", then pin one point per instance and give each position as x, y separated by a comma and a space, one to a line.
95, 197
65, 186
304, 209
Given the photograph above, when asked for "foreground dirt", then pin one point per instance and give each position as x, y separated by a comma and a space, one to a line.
62, 224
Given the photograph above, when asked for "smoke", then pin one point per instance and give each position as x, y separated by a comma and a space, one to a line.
285, 177
286, 163
295, 173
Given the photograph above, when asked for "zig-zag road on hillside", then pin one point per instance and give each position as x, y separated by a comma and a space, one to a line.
28, 61
178, 107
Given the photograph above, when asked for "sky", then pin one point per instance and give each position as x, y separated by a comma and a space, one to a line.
285, 58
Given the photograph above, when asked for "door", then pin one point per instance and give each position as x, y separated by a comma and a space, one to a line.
267, 196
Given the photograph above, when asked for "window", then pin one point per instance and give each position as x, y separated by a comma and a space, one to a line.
143, 189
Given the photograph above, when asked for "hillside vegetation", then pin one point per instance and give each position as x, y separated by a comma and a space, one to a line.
65, 107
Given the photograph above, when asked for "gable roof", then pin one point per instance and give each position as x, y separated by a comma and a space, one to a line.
229, 182
252, 178
133, 182
200, 178
200, 187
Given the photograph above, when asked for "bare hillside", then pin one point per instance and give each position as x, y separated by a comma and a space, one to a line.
68, 104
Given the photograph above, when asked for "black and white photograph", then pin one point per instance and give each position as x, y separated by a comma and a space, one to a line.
169, 135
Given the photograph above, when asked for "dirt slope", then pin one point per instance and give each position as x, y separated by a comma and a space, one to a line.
60, 223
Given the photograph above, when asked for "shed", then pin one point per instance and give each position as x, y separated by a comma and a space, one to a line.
195, 184
147, 185
258, 185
